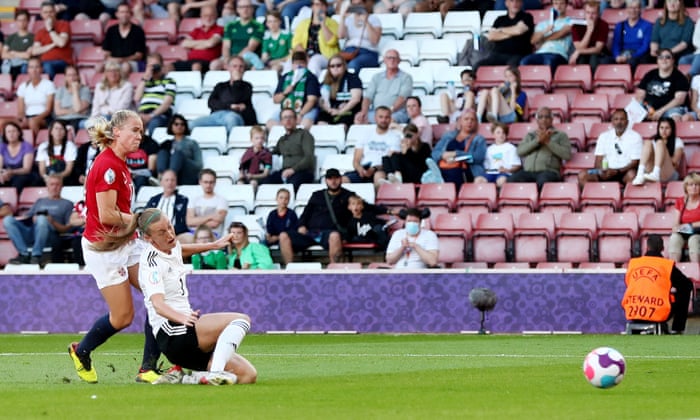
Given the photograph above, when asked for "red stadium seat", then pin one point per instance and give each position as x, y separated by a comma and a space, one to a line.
172, 53
511, 266
576, 132
621, 101
559, 197
90, 57
646, 129
86, 30
674, 191
518, 130
536, 76
590, 105
554, 266
576, 76
187, 25
533, 236
557, 102
160, 30
575, 236
617, 237
477, 198
8, 109
640, 71
689, 131
579, 161
489, 76
8, 195
655, 224
81, 137
587, 265
32, 6
491, 237
401, 195
6, 89
437, 195
619, 75
650, 15
451, 250
479, 265
41, 136
7, 251
614, 16
519, 197
29, 196
539, 15
600, 196
643, 198
439, 130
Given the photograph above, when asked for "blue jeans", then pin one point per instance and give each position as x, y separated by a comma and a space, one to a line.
365, 58
400, 116
157, 121
527, 5
254, 60
552, 60
187, 172
694, 61
37, 235
52, 67
229, 119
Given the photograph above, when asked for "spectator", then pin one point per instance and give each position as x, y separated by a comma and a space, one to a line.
52, 42
72, 102
227, 13
244, 36
687, 214
181, 153
209, 260
317, 36
276, 44
510, 36
364, 225
552, 39
87, 152
452, 105
289, 9
56, 156
297, 149
5, 209
362, 32
505, 103
409, 164
246, 255
371, 150
693, 113
298, 90
155, 95
632, 37
35, 99
142, 163
415, 114
152, 9
341, 94
388, 88
112, 93
413, 247
527, 4
41, 226
501, 157
460, 153
590, 39
672, 31
395, 6
16, 158
694, 58
256, 161
542, 152
663, 90
617, 153
662, 156
193, 8
125, 42
209, 208
173, 205
203, 44
17, 48
281, 219
230, 102
77, 227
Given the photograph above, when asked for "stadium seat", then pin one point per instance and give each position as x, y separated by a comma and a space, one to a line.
485, 131
600, 197
160, 135
407, 48
451, 250
212, 78
392, 24
616, 75
643, 198
187, 25
212, 137
536, 76
492, 236
7, 251
539, 15
366, 75
422, 25
655, 224
329, 136
561, 266
518, 130
8, 110
674, 191
303, 266
8, 195
617, 237
225, 166
559, 197
575, 236
519, 197
689, 131
576, 76
90, 56
431, 105
489, 76
646, 129
469, 265
172, 53
588, 265
356, 132
32, 6
650, 15
437, 195
397, 195
42, 136
265, 107
477, 198
303, 194
364, 190
340, 161
590, 105
614, 16
533, 236
146, 192
29, 196
439, 130
239, 138
160, 30
192, 108
239, 196
461, 22
515, 266
86, 30
73, 193
188, 83
263, 81
641, 70
344, 266
579, 161
443, 75
557, 102
255, 225
490, 17
6, 90
422, 80
576, 132
443, 50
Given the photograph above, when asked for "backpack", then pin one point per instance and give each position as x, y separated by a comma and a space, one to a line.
471, 54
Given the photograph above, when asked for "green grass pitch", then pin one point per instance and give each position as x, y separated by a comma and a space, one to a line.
365, 377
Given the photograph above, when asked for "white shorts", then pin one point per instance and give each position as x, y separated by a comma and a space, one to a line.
110, 268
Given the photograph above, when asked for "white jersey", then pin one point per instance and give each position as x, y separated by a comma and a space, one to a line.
161, 273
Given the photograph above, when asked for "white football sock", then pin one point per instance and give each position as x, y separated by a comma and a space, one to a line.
228, 342
657, 171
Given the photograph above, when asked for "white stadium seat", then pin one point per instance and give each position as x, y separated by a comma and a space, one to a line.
188, 82
392, 24
423, 25
461, 22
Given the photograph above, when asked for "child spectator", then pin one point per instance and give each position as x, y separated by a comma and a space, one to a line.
501, 157
256, 162
365, 226
210, 260
281, 219
276, 44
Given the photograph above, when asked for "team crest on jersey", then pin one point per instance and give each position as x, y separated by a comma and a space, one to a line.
110, 176
154, 277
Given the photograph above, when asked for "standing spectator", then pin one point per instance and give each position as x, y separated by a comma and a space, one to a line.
364, 225
590, 39
172, 204
231, 102
181, 153
208, 260
72, 102
510, 36
256, 161
41, 226
501, 157
632, 37
142, 163
388, 88
276, 44
246, 255
617, 153
341, 94
452, 104
662, 156
52, 42
56, 156
35, 99
17, 48
409, 164
244, 36
542, 152
317, 36
663, 90
415, 114
281, 219
155, 95
413, 247
298, 90
460, 153
506, 102
362, 32
672, 31
297, 149
125, 42
209, 208
552, 39
112, 93
16, 158
203, 44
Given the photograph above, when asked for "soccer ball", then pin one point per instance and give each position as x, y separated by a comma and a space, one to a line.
604, 367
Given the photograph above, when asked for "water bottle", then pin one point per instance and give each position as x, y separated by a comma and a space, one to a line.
451, 89
604, 164
326, 94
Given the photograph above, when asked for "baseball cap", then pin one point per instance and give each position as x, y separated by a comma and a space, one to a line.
332, 173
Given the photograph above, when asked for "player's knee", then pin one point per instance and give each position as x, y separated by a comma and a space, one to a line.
248, 376
121, 320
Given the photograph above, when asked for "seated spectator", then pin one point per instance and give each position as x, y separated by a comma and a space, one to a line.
510, 36
125, 42
552, 40
112, 93
52, 42
77, 227
371, 150
452, 104
317, 36
16, 159
56, 156
203, 44
227, 13
413, 247
590, 39
364, 225
504, 103
672, 31
388, 88
281, 219
341, 94
617, 153
362, 32
85, 156
414, 109
663, 90
395, 6
17, 48
152, 9
501, 157
209, 260
693, 113
209, 208
632, 37
41, 226
525, 5
243, 37
181, 153
542, 152
460, 153
246, 255
276, 43
231, 102
288, 9
256, 161
173, 205
35, 99
694, 58
298, 90
661, 156
155, 95
686, 212
142, 163
72, 101
409, 164
193, 8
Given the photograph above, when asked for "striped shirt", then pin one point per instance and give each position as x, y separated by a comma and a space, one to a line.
155, 92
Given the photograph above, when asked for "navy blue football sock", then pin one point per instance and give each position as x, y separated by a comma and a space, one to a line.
100, 332
151, 353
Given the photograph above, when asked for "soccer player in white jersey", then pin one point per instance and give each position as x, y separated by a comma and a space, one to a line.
207, 343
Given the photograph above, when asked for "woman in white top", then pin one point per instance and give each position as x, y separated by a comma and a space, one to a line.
112, 93
35, 98
362, 32
661, 156
57, 155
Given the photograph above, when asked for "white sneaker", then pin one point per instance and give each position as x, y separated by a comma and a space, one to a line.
399, 178
651, 177
638, 180
194, 378
174, 375
219, 378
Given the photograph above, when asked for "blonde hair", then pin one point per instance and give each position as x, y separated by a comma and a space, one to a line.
111, 65
691, 178
258, 129
101, 130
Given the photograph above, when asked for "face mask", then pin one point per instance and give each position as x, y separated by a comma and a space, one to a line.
412, 228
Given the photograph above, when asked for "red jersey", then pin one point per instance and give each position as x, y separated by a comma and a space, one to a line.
65, 53
108, 172
208, 54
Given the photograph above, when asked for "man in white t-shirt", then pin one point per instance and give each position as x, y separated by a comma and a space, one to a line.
208, 209
413, 247
369, 151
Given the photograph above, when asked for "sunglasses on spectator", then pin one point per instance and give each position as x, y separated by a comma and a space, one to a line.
335, 65
665, 56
